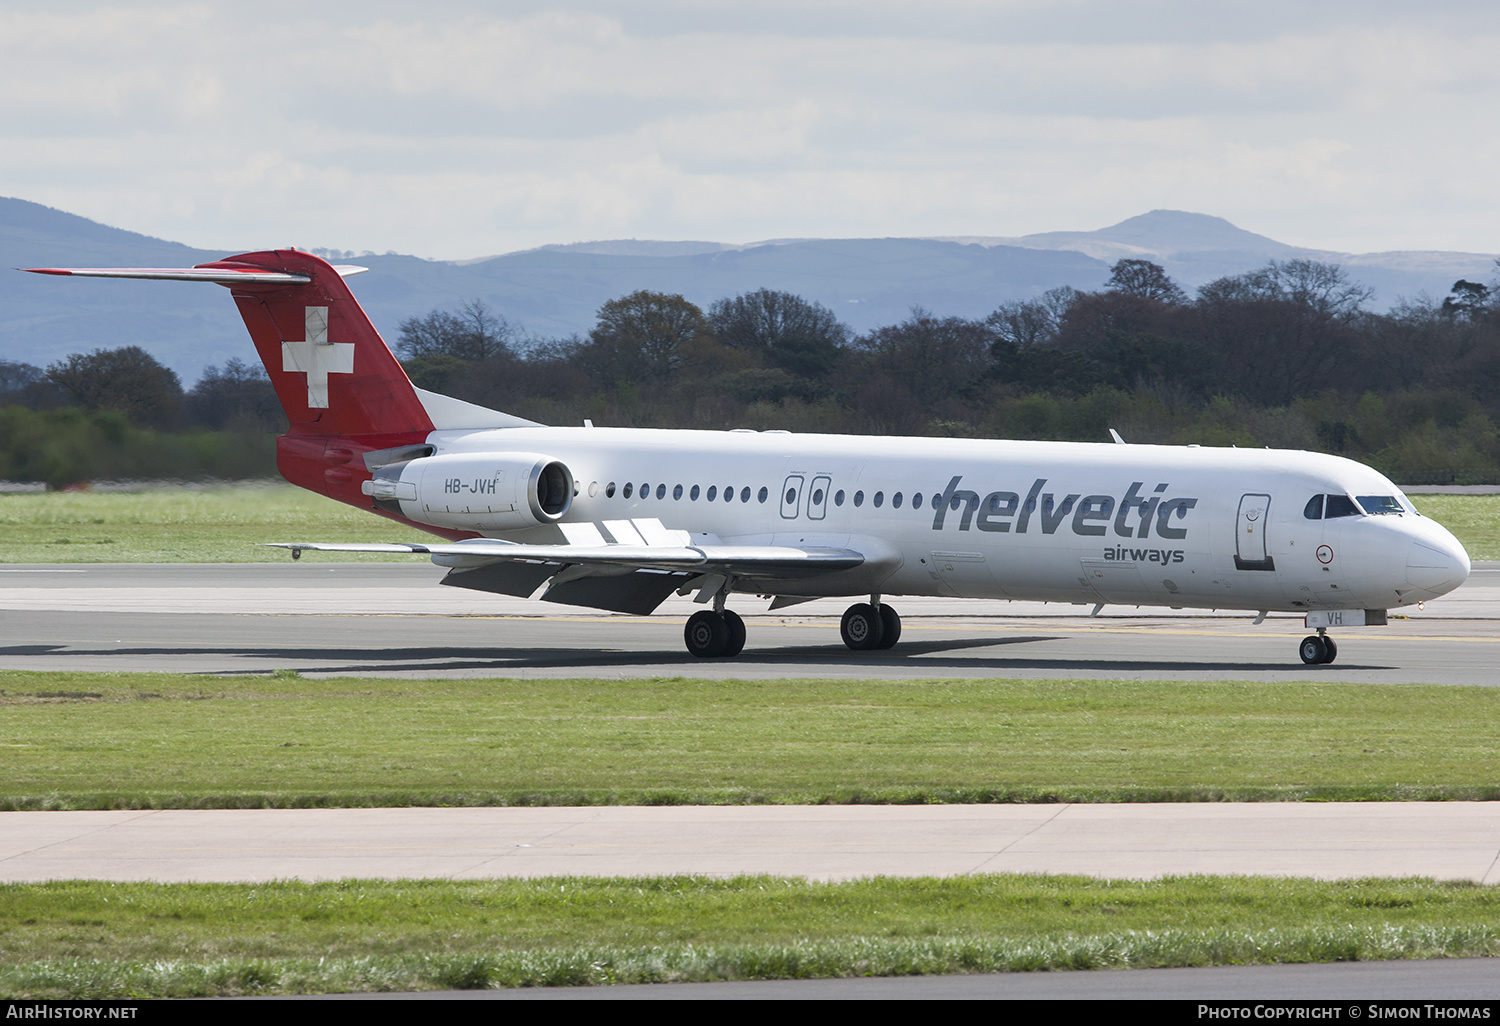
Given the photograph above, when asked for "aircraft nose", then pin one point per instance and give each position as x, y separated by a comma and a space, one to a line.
1437, 565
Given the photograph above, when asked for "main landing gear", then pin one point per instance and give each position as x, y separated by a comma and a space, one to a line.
712, 634
1318, 648
867, 626
720, 633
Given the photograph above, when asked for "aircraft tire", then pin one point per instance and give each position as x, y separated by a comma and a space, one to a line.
861, 627
706, 634
890, 627
1331, 651
1312, 650
736, 643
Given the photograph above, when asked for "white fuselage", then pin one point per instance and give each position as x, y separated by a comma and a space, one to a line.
1052, 521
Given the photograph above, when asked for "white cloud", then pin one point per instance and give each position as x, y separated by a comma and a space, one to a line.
452, 130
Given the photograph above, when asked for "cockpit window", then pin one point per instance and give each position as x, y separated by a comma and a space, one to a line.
1340, 506
1314, 508
1379, 504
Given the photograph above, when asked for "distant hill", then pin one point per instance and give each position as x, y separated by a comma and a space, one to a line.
1197, 248
555, 290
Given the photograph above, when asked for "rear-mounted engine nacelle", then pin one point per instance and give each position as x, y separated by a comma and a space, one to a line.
499, 492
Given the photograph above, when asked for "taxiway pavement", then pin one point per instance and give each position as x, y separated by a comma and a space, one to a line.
1444, 840
394, 620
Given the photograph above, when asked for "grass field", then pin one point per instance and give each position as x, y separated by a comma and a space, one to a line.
224, 524
80, 741
227, 524
91, 940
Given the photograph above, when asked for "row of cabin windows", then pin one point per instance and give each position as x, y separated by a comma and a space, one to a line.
713, 494
1319, 507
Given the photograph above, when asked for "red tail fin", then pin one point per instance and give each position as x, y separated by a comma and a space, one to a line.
333, 373
343, 391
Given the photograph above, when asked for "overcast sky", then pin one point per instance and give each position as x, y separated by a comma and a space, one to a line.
453, 130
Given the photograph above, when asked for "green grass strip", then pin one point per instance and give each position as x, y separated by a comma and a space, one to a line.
220, 524
103, 741
96, 940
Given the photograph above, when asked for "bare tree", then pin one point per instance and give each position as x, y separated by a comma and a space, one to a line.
474, 333
239, 396
1027, 323
1321, 288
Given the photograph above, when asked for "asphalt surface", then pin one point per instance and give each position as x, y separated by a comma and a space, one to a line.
395, 620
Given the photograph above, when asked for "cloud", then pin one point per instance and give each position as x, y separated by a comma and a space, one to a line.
456, 129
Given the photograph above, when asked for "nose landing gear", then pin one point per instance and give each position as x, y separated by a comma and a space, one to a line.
1318, 648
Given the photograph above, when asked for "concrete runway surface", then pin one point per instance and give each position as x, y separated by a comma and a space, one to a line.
1445, 840
394, 620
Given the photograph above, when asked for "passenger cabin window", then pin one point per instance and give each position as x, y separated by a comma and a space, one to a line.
1340, 506
1314, 508
1379, 504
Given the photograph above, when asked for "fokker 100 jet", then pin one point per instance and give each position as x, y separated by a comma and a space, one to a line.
619, 519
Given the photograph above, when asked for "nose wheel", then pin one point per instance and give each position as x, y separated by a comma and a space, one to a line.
1317, 648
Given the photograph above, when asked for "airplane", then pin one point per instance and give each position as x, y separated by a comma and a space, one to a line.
621, 518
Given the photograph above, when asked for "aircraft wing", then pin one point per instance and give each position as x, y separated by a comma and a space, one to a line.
756, 561
625, 578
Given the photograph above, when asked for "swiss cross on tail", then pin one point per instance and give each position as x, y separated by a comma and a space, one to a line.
317, 356
294, 305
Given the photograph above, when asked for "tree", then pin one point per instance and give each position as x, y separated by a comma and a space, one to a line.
1468, 300
1025, 324
1286, 330
240, 396
645, 334
764, 319
1145, 280
474, 333
1323, 289
22, 384
129, 380
934, 358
